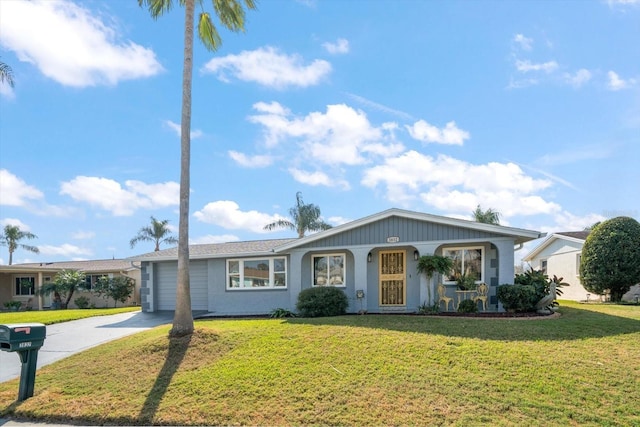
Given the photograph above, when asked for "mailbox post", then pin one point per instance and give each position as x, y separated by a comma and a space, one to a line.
24, 339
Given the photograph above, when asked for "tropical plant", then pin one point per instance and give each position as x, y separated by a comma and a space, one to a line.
13, 305
611, 257
6, 74
279, 313
489, 216
466, 283
430, 264
231, 14
63, 285
11, 237
118, 288
158, 232
304, 217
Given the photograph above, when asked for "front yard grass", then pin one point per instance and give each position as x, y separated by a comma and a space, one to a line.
377, 370
49, 317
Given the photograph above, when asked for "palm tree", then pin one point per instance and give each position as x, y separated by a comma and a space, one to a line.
158, 232
231, 14
6, 74
11, 238
487, 217
303, 218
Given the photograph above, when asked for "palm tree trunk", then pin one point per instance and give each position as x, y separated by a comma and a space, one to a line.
183, 318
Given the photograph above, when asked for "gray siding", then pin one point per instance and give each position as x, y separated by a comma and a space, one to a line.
407, 230
166, 276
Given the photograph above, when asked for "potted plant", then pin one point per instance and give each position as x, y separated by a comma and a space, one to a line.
466, 283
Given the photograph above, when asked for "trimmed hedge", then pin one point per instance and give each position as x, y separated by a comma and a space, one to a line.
322, 301
518, 298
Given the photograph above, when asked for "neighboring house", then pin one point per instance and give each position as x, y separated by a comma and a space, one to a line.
373, 259
560, 254
20, 282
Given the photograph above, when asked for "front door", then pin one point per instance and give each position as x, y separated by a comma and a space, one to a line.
392, 278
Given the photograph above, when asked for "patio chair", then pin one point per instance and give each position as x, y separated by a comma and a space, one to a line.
482, 294
442, 296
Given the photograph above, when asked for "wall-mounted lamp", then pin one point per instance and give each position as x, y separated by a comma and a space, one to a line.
369, 257
359, 294
416, 255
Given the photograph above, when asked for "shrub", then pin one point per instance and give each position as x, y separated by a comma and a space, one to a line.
518, 298
322, 301
278, 313
81, 302
468, 306
13, 305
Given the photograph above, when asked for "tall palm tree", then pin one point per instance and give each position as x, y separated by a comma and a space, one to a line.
231, 14
157, 232
6, 74
11, 238
489, 216
303, 218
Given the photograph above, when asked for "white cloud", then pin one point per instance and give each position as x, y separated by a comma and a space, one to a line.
616, 83
195, 133
15, 222
581, 77
341, 46
525, 43
83, 235
526, 66
317, 178
65, 250
15, 192
566, 221
450, 134
227, 214
211, 239
338, 220
6, 90
457, 186
268, 67
109, 195
379, 107
257, 161
71, 45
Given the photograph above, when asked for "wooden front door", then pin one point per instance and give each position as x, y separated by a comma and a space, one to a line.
392, 275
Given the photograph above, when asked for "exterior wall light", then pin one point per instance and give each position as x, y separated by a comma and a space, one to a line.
416, 255
369, 257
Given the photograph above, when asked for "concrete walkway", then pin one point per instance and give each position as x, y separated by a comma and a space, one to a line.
65, 339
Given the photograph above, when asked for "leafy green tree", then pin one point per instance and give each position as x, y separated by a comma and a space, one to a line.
11, 237
611, 257
158, 232
304, 217
431, 264
6, 74
63, 285
118, 288
489, 216
231, 14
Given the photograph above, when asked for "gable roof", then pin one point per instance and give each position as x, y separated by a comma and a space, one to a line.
217, 250
521, 235
571, 236
91, 266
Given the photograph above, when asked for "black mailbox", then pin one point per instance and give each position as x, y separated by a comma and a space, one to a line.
24, 339
22, 336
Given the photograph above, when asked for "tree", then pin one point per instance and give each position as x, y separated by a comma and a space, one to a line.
231, 14
430, 264
611, 257
489, 216
63, 286
11, 237
118, 288
6, 74
157, 232
304, 217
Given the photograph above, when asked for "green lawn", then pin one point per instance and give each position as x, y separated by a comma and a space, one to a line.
49, 317
581, 369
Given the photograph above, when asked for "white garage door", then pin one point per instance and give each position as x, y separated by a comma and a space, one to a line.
167, 277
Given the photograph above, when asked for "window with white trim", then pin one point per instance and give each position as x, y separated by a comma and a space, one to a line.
24, 285
329, 270
258, 273
90, 280
543, 266
468, 261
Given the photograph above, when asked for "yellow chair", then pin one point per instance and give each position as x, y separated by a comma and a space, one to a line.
442, 296
482, 294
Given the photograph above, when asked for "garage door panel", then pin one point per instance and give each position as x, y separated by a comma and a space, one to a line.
167, 278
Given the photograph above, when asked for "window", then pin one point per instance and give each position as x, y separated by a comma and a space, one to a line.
543, 266
90, 280
328, 270
578, 262
467, 261
257, 273
25, 285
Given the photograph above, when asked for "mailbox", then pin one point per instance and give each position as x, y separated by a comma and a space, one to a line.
23, 336
24, 339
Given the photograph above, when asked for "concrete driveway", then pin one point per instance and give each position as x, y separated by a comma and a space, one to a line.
65, 339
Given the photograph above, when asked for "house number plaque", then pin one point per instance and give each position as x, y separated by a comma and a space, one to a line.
393, 239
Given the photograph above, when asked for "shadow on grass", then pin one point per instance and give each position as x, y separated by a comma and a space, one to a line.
573, 324
177, 350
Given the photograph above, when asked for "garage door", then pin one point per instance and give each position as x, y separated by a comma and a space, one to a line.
167, 277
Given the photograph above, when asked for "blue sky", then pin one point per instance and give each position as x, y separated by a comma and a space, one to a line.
531, 108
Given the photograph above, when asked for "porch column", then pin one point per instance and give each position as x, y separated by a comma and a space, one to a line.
360, 276
506, 267
294, 279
